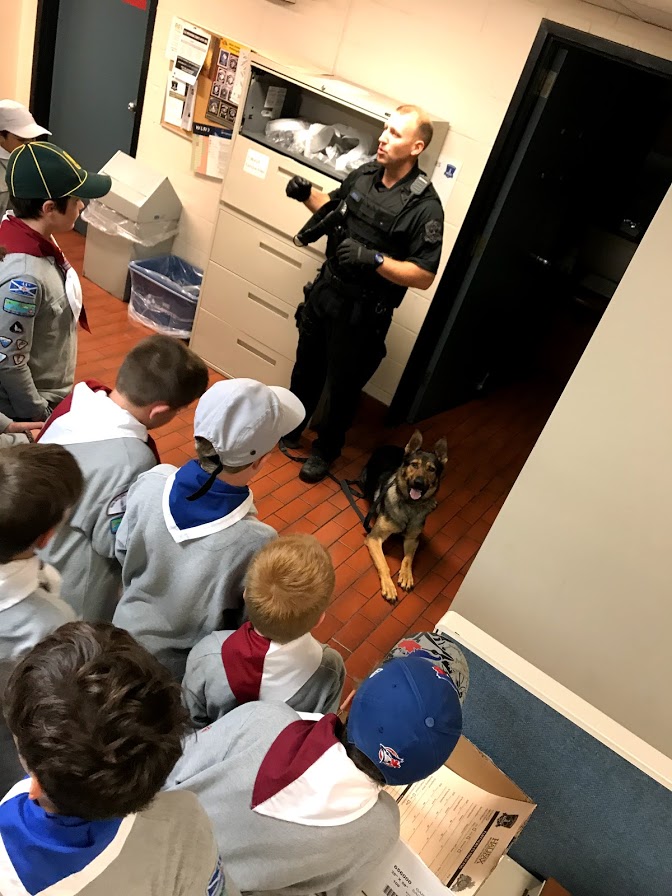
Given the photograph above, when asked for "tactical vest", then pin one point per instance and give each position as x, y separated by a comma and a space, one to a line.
370, 219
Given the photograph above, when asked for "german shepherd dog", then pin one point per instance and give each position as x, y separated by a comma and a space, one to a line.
401, 483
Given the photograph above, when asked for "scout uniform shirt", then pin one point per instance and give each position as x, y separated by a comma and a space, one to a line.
226, 669
166, 849
112, 449
30, 609
40, 305
292, 814
183, 562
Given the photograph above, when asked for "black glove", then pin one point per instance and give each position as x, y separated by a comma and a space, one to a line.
352, 252
298, 188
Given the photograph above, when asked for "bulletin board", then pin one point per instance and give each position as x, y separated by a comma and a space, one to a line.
205, 83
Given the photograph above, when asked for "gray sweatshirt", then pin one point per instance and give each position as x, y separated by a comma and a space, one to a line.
165, 850
175, 592
268, 855
38, 337
30, 609
111, 448
305, 674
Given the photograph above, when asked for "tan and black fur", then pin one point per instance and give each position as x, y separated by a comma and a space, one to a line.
395, 510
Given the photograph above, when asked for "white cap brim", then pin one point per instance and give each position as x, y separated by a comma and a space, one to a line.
293, 410
29, 131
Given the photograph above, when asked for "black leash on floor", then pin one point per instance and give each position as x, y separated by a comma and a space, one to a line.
351, 488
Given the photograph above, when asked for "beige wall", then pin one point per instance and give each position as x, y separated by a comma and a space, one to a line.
16, 59
575, 575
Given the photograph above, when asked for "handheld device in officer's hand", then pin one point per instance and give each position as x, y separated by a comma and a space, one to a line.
325, 221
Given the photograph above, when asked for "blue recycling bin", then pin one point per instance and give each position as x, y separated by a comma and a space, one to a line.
164, 294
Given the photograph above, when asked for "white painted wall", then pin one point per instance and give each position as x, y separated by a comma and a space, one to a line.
575, 575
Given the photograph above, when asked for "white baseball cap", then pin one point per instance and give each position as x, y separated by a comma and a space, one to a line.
16, 119
244, 419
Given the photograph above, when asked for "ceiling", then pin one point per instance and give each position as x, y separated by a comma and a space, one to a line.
656, 12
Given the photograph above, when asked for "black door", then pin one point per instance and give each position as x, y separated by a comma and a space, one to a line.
577, 141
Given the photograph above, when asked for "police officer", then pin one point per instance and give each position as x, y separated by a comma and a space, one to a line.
387, 237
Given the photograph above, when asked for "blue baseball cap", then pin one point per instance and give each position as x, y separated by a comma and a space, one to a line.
406, 718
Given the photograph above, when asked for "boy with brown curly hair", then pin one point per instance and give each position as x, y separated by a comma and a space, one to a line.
288, 586
98, 723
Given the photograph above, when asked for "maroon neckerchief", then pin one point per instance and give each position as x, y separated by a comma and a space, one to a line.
17, 236
63, 407
295, 749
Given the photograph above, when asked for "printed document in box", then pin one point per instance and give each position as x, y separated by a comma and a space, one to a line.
455, 827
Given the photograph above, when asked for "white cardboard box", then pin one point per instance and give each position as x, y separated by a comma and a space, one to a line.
455, 827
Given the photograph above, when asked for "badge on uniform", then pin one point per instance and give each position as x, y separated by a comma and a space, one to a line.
115, 523
5, 341
19, 359
20, 309
3, 358
117, 505
433, 232
23, 288
16, 327
216, 884
20, 344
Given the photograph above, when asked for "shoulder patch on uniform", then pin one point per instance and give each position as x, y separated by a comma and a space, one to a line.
5, 341
433, 232
23, 288
16, 327
20, 309
117, 505
216, 885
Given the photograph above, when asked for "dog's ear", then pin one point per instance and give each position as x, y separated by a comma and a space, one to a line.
441, 451
415, 442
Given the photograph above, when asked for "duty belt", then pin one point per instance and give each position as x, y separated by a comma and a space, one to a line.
353, 290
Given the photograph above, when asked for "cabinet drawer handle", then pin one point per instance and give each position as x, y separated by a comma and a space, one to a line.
255, 351
290, 174
278, 254
268, 305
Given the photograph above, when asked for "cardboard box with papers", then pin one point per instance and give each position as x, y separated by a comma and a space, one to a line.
455, 826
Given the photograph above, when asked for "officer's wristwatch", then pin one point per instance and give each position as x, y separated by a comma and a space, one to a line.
379, 258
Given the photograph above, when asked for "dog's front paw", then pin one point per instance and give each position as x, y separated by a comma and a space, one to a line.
405, 577
389, 591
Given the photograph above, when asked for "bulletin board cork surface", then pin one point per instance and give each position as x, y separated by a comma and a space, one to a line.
602, 826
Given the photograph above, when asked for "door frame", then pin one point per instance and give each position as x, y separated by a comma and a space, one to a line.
550, 37
44, 49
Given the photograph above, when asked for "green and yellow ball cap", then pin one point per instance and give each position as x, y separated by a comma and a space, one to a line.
44, 171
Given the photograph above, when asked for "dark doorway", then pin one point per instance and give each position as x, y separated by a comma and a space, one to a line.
89, 75
582, 162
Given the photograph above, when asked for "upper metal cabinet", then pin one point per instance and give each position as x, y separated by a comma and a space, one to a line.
322, 122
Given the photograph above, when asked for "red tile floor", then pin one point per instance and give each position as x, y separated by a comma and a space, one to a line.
488, 443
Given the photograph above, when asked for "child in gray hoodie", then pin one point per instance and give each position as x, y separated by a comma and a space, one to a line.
38, 486
188, 535
273, 656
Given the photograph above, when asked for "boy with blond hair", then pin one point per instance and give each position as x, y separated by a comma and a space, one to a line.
38, 486
99, 725
188, 534
107, 431
273, 656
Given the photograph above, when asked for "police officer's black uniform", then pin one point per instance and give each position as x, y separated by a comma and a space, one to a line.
348, 310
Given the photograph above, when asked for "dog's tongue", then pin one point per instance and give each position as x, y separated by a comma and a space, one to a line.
416, 494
